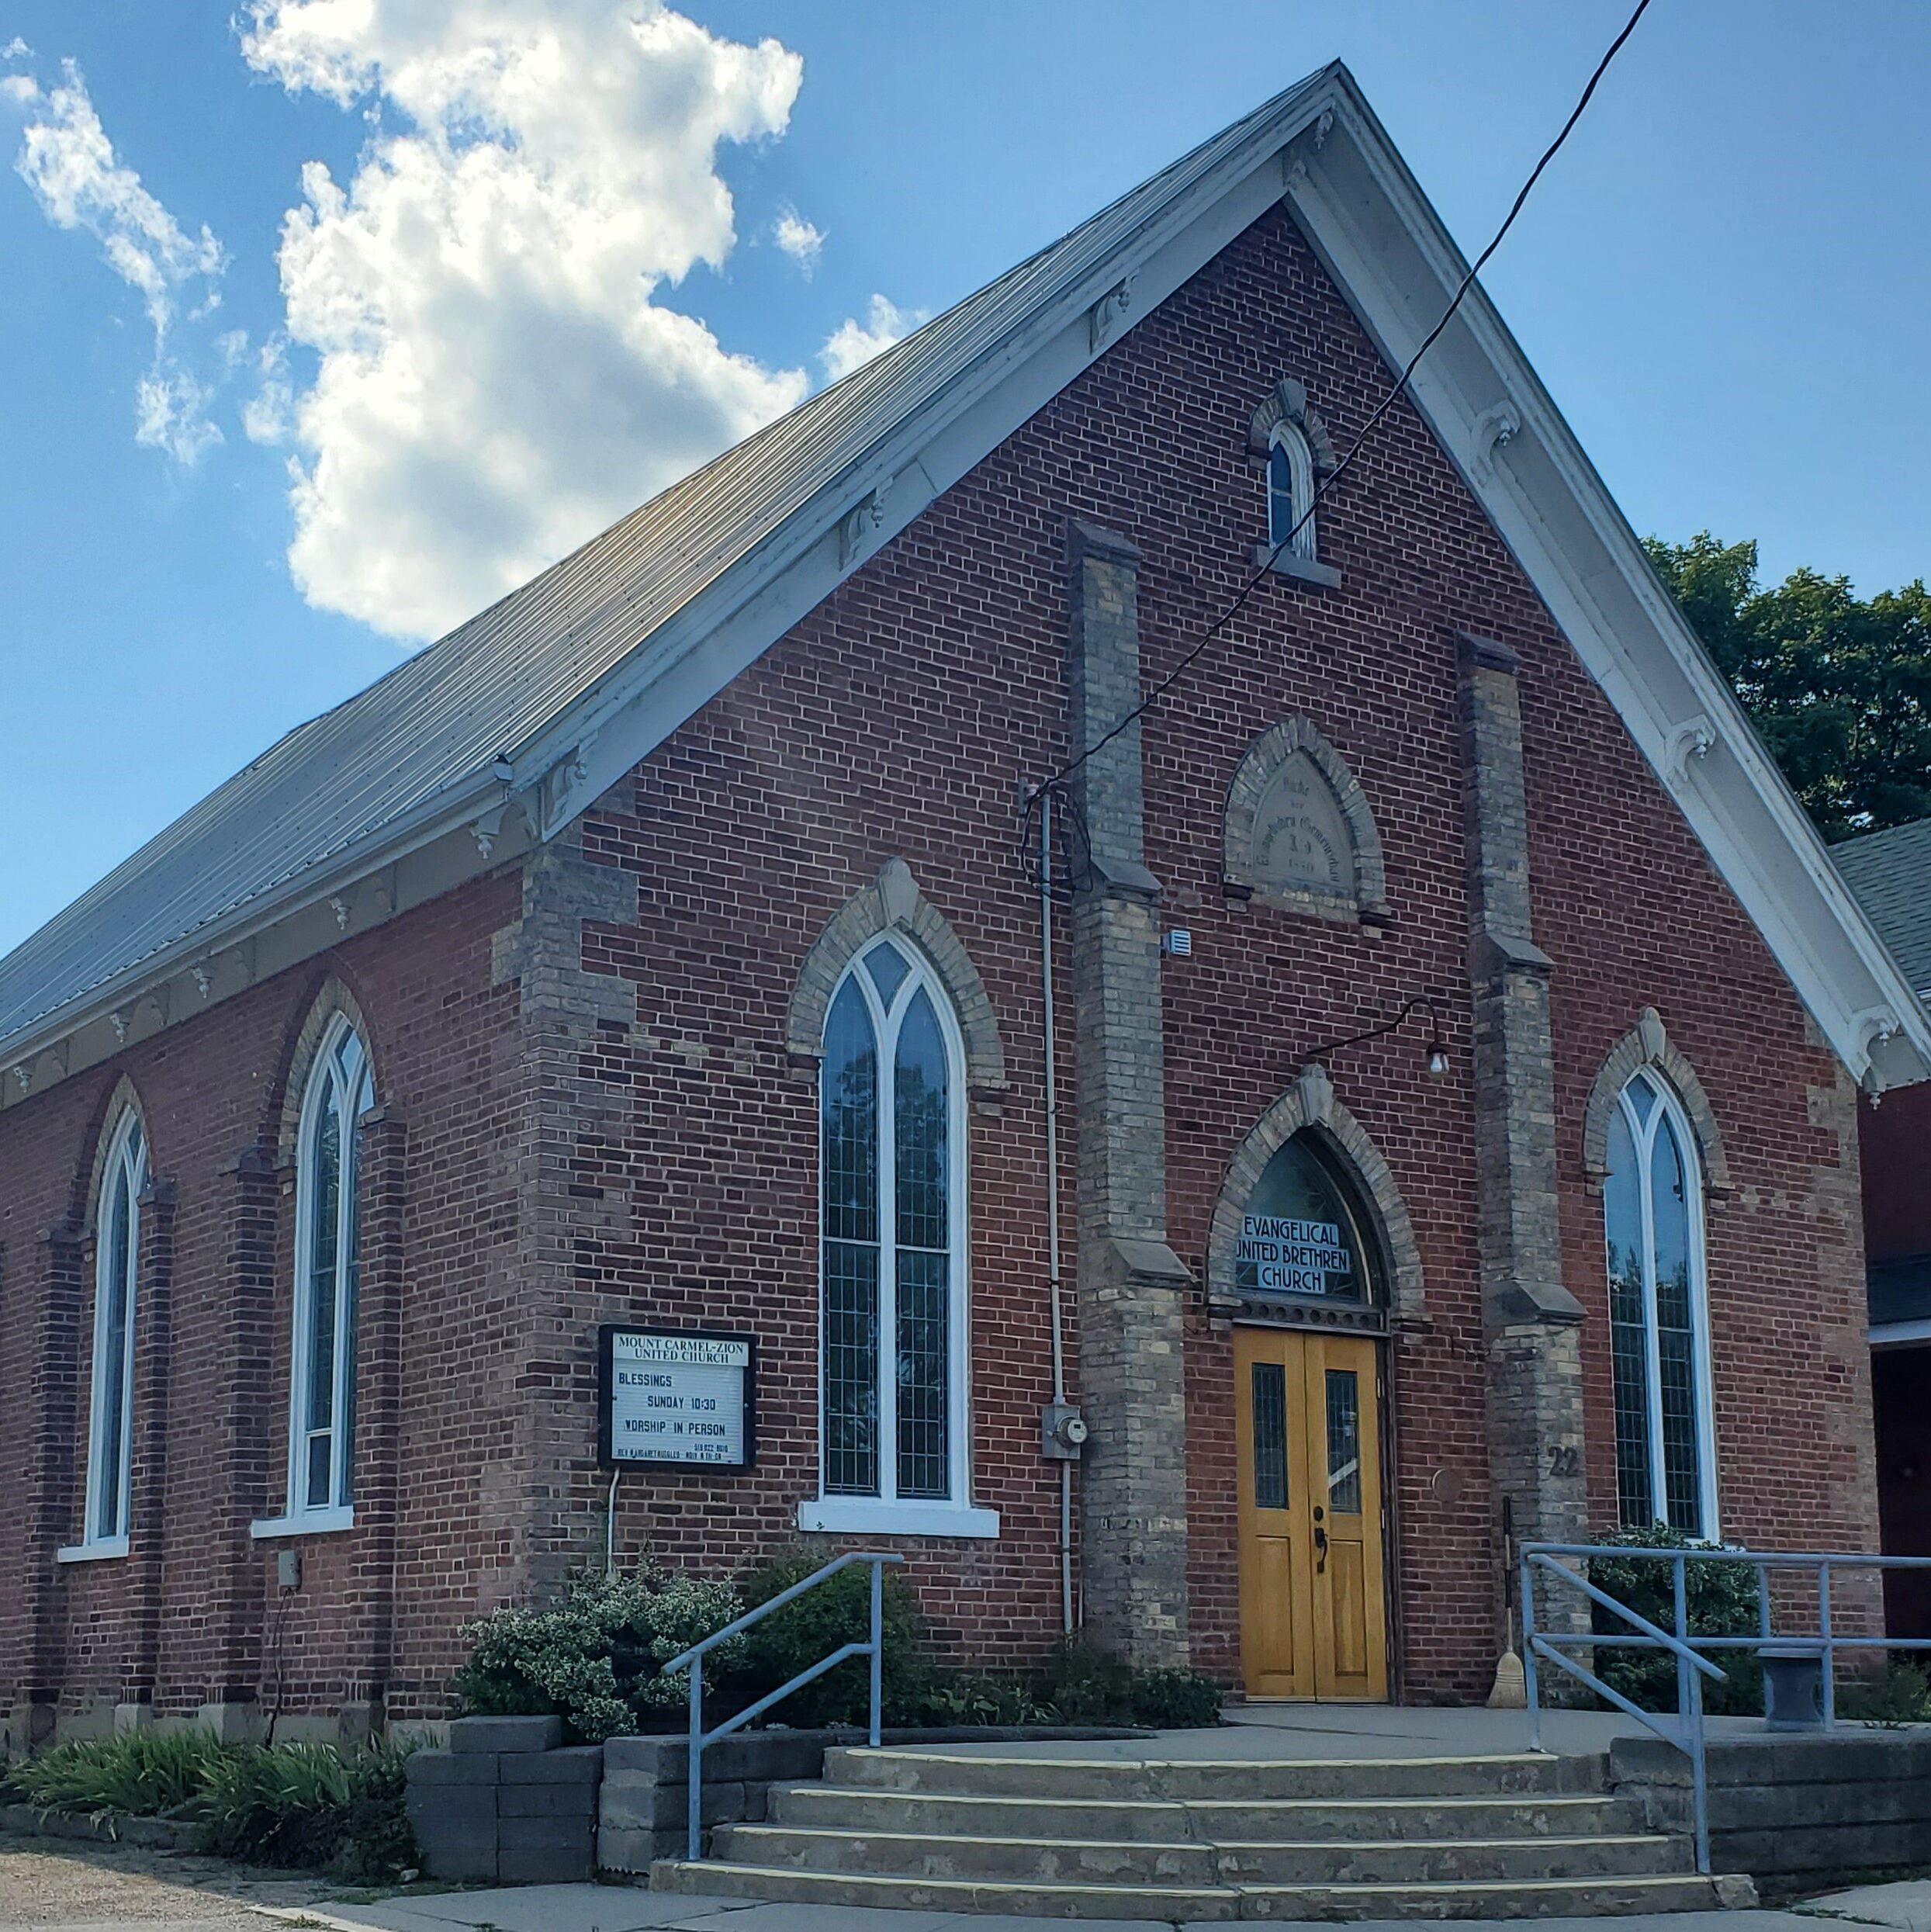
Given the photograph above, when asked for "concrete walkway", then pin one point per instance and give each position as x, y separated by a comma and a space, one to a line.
591, 1908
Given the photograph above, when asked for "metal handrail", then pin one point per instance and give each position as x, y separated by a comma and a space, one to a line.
1687, 1734
700, 1737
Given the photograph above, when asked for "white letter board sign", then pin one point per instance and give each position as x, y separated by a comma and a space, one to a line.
681, 1396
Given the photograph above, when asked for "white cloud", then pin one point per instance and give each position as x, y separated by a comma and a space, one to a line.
68, 161
17, 50
268, 416
799, 238
852, 344
495, 381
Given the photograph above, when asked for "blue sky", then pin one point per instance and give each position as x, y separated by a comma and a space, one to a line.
1723, 280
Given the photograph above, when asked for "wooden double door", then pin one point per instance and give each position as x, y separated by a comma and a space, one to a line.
1314, 1618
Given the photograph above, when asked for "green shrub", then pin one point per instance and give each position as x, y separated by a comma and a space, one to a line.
1084, 1683
1175, 1700
963, 1698
594, 1657
837, 1612
379, 1844
280, 1805
1899, 1693
1719, 1600
139, 1774
311, 1806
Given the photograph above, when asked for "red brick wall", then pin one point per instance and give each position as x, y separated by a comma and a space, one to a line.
898, 720
1895, 1139
211, 1093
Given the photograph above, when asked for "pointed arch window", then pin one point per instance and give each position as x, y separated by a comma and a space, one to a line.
1290, 490
110, 1408
327, 1281
1659, 1320
893, 1382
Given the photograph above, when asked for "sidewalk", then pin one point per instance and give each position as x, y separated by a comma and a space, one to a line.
594, 1908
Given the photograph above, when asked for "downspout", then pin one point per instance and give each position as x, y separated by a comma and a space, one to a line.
1055, 1285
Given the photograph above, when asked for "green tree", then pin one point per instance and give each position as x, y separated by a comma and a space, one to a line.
1838, 687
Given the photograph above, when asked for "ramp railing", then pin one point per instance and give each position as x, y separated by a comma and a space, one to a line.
873, 1647
1685, 1728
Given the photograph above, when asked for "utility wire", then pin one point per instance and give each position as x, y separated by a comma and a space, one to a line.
1335, 476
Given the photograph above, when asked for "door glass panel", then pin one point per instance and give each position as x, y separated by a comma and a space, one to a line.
1344, 1443
1270, 1435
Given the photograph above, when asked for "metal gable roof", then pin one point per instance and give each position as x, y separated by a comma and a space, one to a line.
429, 733
1890, 872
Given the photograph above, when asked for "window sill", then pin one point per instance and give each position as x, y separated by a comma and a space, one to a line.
108, 1547
1303, 569
309, 1523
865, 1516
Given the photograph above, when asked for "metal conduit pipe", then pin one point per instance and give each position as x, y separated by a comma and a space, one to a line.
1055, 1285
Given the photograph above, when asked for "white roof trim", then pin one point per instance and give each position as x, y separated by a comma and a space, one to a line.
1396, 264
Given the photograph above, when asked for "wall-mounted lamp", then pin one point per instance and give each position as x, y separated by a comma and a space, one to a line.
1436, 1049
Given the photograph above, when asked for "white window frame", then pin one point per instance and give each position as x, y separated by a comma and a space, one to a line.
1289, 437
1642, 1135
125, 1167
325, 1075
953, 1515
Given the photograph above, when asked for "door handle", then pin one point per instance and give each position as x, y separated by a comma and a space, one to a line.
1320, 1550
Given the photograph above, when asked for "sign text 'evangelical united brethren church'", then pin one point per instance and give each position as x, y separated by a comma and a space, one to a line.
1291, 1257
678, 1396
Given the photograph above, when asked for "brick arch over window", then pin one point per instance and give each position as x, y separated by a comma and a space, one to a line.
1287, 403
1310, 1103
332, 997
1647, 1045
891, 903
1360, 892
124, 1099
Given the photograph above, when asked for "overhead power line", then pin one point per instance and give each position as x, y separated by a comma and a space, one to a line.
1335, 476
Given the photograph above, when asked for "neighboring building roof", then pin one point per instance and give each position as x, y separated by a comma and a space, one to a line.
1890, 873
546, 698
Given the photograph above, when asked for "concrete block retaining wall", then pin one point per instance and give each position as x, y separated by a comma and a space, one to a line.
507, 1802
1850, 1801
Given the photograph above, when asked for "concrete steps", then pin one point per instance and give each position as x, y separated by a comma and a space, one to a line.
1204, 1841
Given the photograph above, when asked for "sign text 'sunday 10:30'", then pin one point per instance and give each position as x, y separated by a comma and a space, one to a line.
677, 1398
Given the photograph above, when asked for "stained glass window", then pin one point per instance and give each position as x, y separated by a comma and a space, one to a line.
1303, 1233
328, 1274
1653, 1219
111, 1394
890, 1157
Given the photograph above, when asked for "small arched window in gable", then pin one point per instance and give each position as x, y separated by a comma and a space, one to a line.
1658, 1323
1290, 492
111, 1386
327, 1277
1288, 443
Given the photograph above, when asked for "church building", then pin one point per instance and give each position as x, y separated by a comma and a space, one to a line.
974, 980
